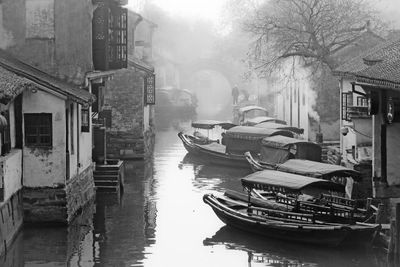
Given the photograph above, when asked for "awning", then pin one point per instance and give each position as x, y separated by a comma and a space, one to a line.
271, 180
138, 64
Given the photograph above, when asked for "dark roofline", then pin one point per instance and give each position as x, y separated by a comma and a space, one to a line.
31, 73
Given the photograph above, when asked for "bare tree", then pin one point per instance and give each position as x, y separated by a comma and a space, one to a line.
311, 29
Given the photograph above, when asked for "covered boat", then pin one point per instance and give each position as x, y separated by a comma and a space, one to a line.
272, 125
290, 226
243, 114
203, 139
278, 149
235, 142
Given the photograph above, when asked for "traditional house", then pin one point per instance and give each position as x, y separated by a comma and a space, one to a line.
296, 98
130, 97
377, 74
63, 51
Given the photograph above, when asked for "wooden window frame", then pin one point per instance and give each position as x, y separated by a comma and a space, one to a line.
150, 90
85, 120
347, 102
38, 122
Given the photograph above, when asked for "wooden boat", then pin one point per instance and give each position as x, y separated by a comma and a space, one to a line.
243, 114
278, 149
200, 138
326, 199
235, 142
290, 226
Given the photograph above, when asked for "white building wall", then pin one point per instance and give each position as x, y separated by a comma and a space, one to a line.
41, 166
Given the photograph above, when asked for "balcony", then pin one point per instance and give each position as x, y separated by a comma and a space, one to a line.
358, 112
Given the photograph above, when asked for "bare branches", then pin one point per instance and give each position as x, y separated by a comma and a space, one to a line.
312, 29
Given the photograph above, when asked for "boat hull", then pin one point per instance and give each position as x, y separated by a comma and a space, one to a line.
326, 235
211, 156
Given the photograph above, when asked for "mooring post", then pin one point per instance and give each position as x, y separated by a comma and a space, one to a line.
394, 243
380, 214
397, 235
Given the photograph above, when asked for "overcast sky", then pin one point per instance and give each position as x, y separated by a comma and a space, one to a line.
211, 9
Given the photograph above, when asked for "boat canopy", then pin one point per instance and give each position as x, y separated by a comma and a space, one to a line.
210, 124
272, 125
277, 181
260, 119
241, 139
317, 169
278, 149
250, 132
250, 108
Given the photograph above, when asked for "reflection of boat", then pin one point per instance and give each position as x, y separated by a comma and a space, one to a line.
235, 142
278, 149
280, 253
305, 220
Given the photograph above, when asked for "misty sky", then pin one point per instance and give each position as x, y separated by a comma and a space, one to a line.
211, 9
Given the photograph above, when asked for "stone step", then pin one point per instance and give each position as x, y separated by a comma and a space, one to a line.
106, 173
107, 189
106, 183
107, 168
106, 177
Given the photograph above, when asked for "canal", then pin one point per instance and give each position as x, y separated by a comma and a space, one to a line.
161, 220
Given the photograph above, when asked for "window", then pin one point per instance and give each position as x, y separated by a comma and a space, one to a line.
149, 90
98, 91
71, 127
362, 101
85, 120
110, 37
347, 102
38, 129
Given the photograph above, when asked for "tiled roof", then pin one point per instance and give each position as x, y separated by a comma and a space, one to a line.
31, 75
379, 65
11, 85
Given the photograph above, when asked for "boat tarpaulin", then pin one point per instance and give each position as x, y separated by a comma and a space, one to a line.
317, 169
271, 180
272, 125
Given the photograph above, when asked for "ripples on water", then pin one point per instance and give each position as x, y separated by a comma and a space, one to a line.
161, 220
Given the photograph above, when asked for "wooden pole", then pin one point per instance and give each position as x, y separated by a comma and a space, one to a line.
380, 214
397, 234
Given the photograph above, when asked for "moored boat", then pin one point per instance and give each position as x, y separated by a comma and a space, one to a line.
275, 150
235, 142
290, 226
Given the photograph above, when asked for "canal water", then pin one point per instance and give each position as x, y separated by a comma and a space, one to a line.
160, 220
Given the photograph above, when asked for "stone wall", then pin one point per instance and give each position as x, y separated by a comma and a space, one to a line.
11, 214
58, 204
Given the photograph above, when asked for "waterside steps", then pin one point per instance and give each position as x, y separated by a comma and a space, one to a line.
109, 177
